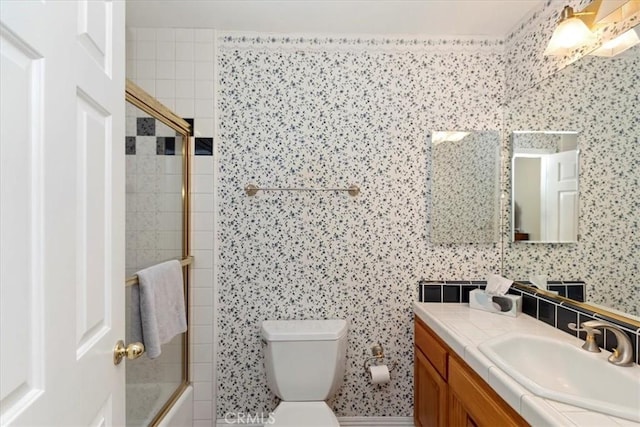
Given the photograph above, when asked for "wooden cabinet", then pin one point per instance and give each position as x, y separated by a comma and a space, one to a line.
431, 390
430, 379
473, 402
447, 392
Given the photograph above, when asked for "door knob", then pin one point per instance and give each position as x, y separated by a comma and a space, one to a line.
132, 351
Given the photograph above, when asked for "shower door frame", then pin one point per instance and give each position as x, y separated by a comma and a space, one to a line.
139, 98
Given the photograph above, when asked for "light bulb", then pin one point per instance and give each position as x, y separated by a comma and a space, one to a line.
619, 44
571, 33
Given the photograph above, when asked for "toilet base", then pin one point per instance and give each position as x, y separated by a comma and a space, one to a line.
304, 414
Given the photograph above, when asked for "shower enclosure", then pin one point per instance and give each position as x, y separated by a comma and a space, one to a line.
157, 230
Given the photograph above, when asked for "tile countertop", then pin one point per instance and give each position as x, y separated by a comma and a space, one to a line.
463, 329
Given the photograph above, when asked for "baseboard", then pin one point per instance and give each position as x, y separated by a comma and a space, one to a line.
347, 422
375, 421
220, 422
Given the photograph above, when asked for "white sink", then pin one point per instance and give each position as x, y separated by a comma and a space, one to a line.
564, 372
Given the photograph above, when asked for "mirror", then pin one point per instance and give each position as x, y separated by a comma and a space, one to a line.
465, 186
545, 187
599, 96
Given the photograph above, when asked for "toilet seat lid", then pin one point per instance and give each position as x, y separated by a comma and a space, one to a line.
304, 414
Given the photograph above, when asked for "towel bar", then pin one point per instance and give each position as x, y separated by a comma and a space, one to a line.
251, 189
133, 280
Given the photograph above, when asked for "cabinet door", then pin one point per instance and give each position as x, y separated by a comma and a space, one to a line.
458, 415
430, 394
473, 403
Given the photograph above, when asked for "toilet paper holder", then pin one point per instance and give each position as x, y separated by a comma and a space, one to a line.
378, 357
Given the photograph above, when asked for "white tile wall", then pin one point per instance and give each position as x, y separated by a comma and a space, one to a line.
177, 67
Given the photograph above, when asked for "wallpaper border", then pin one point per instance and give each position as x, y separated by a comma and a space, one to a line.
324, 42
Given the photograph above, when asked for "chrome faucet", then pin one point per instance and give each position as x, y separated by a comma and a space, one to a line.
622, 355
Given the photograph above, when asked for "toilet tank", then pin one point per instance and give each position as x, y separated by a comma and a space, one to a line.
304, 359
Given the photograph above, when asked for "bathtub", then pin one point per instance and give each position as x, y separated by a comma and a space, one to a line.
150, 400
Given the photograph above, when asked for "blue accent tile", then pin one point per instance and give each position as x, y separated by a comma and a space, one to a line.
166, 145
464, 294
204, 147
191, 125
146, 126
575, 292
530, 305
564, 317
432, 293
130, 145
578, 309
451, 293
547, 312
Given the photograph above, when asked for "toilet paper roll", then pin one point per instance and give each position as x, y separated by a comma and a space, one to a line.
379, 374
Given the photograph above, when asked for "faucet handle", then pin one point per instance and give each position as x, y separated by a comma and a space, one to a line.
584, 328
590, 343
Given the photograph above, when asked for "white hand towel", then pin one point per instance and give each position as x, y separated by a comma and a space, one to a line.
157, 304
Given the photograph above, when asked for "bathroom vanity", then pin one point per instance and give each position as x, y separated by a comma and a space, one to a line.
448, 392
456, 384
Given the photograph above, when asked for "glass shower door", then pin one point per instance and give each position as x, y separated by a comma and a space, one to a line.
156, 231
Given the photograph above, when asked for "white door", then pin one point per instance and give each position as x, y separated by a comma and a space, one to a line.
61, 212
560, 206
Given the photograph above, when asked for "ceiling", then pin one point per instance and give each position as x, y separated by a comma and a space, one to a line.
373, 17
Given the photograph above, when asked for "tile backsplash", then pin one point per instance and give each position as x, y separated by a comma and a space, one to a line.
552, 312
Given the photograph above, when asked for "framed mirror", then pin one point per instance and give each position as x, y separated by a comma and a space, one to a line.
544, 177
598, 96
465, 186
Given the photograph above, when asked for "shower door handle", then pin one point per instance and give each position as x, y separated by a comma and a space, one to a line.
132, 351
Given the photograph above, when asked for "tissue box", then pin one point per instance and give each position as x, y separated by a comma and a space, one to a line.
509, 305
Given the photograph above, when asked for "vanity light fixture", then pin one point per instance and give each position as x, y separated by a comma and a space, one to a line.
619, 44
574, 29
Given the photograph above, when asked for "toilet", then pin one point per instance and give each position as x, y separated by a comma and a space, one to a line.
305, 363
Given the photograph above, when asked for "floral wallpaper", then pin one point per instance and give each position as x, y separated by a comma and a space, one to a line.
328, 113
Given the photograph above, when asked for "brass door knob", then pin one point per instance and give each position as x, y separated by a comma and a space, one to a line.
132, 351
